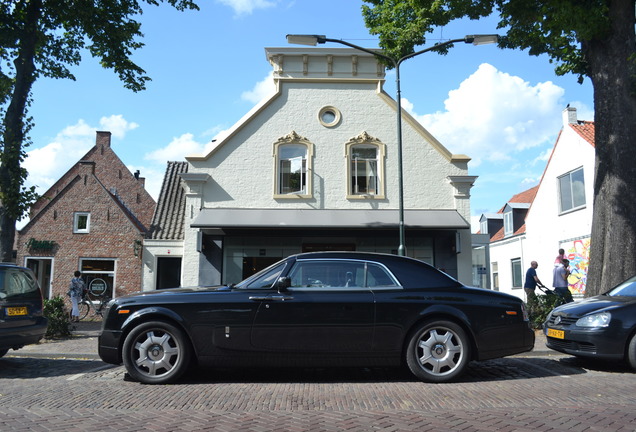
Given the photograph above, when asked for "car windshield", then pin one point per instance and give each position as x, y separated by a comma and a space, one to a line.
17, 284
627, 288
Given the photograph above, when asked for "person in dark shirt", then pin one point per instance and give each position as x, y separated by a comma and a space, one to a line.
531, 283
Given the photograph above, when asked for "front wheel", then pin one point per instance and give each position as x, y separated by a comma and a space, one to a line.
83, 308
438, 351
156, 352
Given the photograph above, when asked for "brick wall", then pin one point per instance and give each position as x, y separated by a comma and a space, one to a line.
87, 188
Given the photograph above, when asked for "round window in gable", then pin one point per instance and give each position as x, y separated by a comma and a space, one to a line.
329, 116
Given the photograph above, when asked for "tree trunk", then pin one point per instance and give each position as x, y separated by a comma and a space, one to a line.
613, 242
11, 173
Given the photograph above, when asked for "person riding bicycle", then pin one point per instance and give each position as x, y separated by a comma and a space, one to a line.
76, 291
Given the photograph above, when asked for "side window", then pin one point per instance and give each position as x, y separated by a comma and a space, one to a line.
293, 158
328, 274
81, 222
516, 272
571, 190
365, 167
377, 277
264, 279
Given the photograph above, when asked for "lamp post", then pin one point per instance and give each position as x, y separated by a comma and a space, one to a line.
313, 40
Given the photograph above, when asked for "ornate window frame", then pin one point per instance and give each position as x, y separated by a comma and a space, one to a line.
293, 139
367, 140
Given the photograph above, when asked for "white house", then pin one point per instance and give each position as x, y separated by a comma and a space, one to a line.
314, 167
556, 214
561, 214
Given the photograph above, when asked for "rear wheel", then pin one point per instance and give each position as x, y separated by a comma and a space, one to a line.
156, 352
631, 352
438, 351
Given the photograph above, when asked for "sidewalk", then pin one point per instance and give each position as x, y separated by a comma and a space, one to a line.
83, 344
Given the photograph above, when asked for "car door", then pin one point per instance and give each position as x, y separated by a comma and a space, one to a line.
327, 308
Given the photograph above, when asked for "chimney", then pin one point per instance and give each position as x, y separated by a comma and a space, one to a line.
103, 138
569, 116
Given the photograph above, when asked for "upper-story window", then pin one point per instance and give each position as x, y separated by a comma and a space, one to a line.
293, 156
571, 190
365, 168
81, 222
483, 226
509, 227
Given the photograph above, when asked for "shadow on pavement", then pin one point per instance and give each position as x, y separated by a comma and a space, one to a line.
34, 367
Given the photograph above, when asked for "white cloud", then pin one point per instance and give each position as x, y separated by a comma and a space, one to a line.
48, 163
261, 90
493, 115
176, 150
247, 6
117, 125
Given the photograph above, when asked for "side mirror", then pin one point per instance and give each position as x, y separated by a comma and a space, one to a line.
283, 283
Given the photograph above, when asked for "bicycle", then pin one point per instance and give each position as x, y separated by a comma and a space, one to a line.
86, 304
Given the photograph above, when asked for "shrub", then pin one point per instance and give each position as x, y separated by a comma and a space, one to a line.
59, 319
543, 306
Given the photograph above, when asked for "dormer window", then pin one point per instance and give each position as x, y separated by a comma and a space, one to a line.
483, 227
509, 227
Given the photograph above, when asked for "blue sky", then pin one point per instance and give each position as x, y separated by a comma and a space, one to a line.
208, 68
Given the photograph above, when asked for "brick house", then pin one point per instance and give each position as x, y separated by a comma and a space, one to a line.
93, 219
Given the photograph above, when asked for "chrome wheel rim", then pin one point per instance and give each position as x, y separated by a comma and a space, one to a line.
156, 353
439, 351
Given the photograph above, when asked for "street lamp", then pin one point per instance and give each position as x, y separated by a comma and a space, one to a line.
313, 40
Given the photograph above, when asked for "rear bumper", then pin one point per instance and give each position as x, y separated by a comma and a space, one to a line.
17, 337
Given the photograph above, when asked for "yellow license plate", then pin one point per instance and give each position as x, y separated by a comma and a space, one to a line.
16, 311
558, 334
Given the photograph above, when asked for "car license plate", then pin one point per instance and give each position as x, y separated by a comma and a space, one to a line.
558, 334
16, 311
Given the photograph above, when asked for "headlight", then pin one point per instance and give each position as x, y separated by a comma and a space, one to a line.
597, 320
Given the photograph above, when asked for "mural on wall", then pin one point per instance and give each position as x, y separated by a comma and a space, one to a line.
578, 252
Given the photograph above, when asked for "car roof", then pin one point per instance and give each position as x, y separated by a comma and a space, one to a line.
381, 257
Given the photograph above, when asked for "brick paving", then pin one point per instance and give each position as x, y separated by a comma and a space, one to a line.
62, 386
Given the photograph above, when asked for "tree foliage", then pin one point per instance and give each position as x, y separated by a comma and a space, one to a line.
44, 38
589, 38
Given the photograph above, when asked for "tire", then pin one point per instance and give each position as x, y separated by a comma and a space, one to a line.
156, 352
83, 308
631, 352
438, 351
3, 351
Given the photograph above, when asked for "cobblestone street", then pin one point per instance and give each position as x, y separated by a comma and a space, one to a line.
538, 391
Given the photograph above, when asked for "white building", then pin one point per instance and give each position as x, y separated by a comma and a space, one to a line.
314, 167
557, 214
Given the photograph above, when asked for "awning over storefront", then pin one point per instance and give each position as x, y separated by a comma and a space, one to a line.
311, 218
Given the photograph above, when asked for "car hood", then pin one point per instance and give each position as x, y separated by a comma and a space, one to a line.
174, 291
594, 304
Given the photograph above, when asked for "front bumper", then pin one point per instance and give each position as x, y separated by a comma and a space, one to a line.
108, 345
594, 343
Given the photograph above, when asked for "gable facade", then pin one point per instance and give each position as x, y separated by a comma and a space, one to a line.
556, 214
314, 167
93, 219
